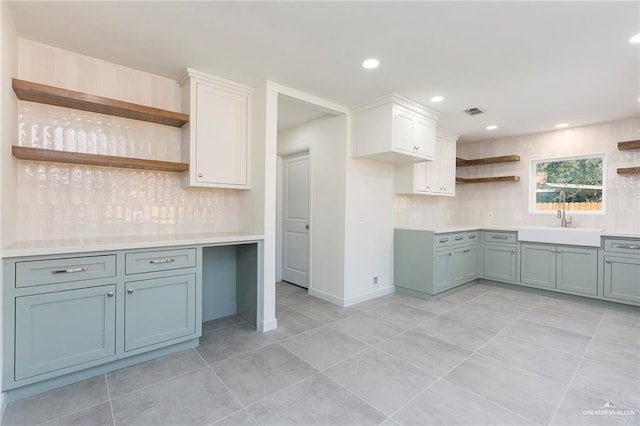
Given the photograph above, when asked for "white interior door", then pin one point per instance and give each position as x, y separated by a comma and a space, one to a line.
295, 213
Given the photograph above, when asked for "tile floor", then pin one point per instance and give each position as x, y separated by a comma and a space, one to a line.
482, 355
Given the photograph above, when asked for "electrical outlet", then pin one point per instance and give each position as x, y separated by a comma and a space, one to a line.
375, 281
138, 217
490, 215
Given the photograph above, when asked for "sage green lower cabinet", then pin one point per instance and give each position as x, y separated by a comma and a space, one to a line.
426, 263
64, 329
500, 262
159, 310
567, 268
622, 278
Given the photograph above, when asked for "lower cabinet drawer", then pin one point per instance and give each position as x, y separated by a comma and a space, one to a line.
622, 246
164, 260
64, 329
500, 237
159, 310
55, 271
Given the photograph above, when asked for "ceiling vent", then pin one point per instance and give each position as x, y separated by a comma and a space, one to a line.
474, 111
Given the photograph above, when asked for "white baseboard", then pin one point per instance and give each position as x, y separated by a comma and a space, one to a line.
268, 325
327, 297
368, 296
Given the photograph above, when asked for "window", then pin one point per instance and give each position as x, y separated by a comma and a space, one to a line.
581, 179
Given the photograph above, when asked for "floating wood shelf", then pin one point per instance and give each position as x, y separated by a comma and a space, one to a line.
628, 145
461, 162
626, 171
488, 179
35, 92
50, 155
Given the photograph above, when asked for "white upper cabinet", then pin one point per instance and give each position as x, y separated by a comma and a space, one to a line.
217, 139
393, 129
436, 177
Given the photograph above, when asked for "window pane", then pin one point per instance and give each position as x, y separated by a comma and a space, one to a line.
580, 179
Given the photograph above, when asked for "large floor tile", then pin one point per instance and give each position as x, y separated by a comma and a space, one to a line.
436, 307
56, 403
324, 312
582, 408
610, 382
460, 296
98, 415
534, 396
457, 333
431, 355
315, 401
295, 298
444, 403
382, 380
572, 308
139, 376
547, 362
401, 314
258, 374
220, 323
628, 317
240, 418
324, 346
548, 336
481, 317
291, 323
195, 398
368, 328
497, 302
519, 298
621, 353
231, 341
584, 322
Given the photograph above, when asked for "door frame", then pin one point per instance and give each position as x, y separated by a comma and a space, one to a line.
280, 211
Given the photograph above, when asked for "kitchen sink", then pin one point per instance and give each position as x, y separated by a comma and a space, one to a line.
556, 235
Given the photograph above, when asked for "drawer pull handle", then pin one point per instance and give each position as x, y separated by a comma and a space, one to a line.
129, 291
472, 237
497, 237
629, 247
156, 261
513, 251
459, 238
443, 241
110, 294
607, 261
70, 271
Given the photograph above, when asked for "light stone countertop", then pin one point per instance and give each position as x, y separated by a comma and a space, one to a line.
464, 228
84, 245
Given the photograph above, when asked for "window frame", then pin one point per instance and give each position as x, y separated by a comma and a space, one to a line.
533, 175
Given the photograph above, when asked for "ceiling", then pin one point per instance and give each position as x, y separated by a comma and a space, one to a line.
528, 65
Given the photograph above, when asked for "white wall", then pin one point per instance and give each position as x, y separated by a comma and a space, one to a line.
474, 202
64, 201
326, 140
8, 212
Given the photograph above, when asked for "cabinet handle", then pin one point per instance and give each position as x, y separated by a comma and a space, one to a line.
629, 247
472, 237
129, 291
156, 261
199, 174
498, 237
513, 251
607, 261
110, 294
449, 254
443, 241
459, 238
70, 271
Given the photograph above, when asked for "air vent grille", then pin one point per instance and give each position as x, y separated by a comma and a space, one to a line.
474, 111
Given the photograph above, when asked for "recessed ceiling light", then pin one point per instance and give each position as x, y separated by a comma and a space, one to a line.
492, 127
370, 64
562, 125
635, 39
437, 99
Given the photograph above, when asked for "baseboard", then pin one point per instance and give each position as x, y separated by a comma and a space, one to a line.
368, 296
327, 297
268, 325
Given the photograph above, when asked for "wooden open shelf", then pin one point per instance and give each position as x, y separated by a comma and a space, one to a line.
461, 162
628, 145
50, 155
35, 92
626, 171
488, 179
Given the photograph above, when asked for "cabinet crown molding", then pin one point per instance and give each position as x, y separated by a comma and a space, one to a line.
213, 80
399, 100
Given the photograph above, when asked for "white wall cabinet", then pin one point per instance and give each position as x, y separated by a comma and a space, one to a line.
217, 139
393, 129
436, 177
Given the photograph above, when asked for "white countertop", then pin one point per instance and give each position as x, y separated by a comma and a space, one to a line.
463, 228
82, 245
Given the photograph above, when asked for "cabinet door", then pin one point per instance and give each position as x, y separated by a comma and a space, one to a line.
159, 310
470, 263
538, 265
424, 138
432, 177
446, 158
456, 266
403, 130
421, 177
442, 272
500, 262
622, 278
63, 329
577, 270
221, 137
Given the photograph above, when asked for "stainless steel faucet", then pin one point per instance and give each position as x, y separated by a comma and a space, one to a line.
562, 211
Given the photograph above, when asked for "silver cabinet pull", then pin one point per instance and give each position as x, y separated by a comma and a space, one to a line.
443, 241
497, 237
130, 291
513, 251
70, 271
472, 237
156, 261
459, 238
607, 261
629, 247
110, 294
199, 174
